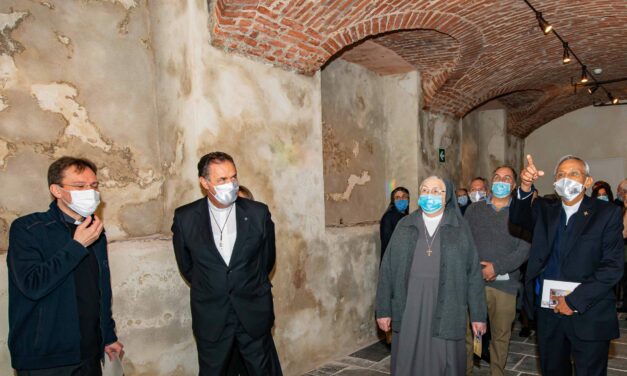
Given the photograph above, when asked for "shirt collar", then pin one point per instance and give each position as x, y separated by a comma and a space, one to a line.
488, 200
69, 219
572, 209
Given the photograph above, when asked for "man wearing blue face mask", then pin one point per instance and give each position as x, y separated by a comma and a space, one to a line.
502, 250
60, 320
225, 251
578, 246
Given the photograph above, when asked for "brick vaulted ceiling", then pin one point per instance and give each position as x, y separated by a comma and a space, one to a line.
467, 51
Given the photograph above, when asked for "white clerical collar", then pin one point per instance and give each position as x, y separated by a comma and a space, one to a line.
570, 210
217, 209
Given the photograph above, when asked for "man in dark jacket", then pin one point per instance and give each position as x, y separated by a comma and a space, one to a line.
579, 240
224, 248
60, 320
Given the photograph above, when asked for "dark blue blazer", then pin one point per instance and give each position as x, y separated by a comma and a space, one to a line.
216, 288
593, 257
43, 315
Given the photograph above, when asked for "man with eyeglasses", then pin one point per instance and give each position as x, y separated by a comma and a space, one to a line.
60, 320
577, 246
502, 250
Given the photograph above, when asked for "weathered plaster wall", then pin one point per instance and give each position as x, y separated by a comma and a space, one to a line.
487, 145
137, 87
270, 121
369, 140
78, 78
439, 131
591, 133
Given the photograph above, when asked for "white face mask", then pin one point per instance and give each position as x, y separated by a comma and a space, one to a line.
477, 196
568, 189
84, 202
226, 194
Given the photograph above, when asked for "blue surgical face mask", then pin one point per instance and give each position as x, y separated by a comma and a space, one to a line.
603, 198
462, 200
430, 203
401, 205
501, 189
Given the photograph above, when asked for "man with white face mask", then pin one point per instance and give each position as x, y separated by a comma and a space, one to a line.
577, 240
478, 189
225, 251
60, 320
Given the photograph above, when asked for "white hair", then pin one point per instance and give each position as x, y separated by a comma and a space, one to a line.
572, 157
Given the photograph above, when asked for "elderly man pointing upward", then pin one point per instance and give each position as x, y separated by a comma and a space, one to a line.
575, 260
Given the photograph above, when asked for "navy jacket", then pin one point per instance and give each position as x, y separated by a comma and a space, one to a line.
43, 314
215, 287
593, 257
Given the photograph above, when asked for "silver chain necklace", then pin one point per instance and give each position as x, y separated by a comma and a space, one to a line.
430, 244
213, 216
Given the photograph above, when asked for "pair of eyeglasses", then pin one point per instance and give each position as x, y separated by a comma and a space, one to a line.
433, 191
570, 175
93, 185
504, 179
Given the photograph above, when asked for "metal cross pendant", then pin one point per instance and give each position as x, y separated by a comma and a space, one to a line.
429, 252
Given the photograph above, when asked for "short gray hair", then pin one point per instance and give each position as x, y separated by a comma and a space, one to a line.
572, 157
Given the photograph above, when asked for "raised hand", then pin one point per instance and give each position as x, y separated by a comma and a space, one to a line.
529, 174
86, 234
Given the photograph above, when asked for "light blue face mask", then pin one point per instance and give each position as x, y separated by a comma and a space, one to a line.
401, 205
430, 203
462, 200
603, 198
501, 189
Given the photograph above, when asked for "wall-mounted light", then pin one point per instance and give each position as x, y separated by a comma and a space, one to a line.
612, 99
592, 89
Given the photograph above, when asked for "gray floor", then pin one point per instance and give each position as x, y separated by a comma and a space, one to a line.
374, 360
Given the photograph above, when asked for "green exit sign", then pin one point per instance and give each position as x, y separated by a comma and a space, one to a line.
442, 155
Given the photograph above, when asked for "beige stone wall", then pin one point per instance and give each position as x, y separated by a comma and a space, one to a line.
487, 145
439, 132
370, 141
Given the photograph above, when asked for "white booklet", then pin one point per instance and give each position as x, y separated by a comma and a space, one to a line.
112, 367
552, 289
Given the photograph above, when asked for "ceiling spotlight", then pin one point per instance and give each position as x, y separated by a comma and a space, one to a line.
566, 58
592, 89
612, 99
584, 75
545, 26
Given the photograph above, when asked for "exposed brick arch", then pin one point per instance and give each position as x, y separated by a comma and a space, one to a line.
501, 49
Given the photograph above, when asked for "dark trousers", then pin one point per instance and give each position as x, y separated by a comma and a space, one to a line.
557, 342
259, 354
87, 367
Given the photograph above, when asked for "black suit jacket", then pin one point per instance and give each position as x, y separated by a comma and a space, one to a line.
214, 286
593, 257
